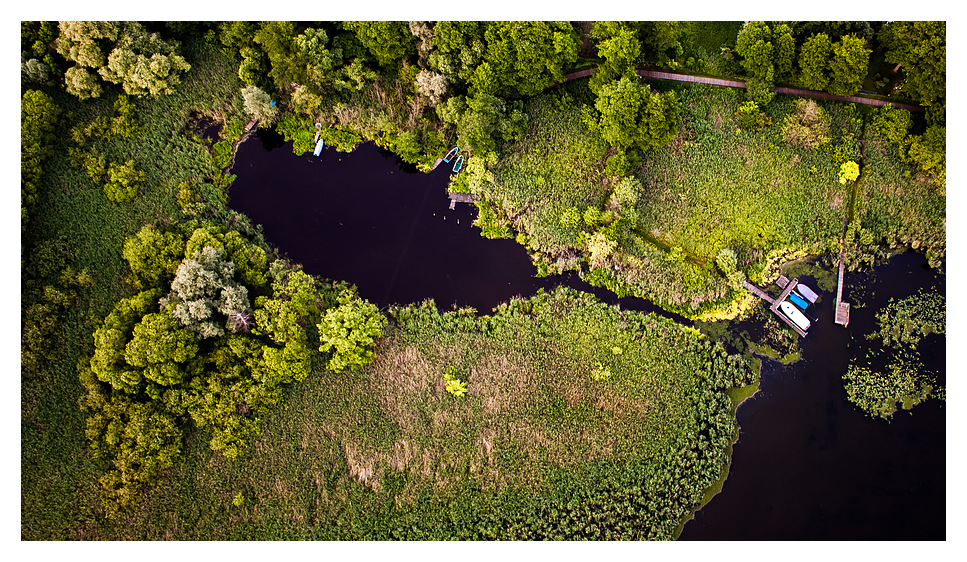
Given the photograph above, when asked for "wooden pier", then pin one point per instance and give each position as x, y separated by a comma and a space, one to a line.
788, 286
462, 198
842, 308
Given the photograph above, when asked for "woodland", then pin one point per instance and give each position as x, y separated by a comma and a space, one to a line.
182, 379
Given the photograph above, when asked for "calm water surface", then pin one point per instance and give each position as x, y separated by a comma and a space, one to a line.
808, 465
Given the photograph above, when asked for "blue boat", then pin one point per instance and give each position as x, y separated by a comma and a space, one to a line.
450, 155
807, 293
458, 164
799, 301
318, 149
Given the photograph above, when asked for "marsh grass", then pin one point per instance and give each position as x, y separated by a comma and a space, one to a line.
386, 452
59, 481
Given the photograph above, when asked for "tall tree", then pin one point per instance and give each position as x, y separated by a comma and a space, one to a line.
849, 66
620, 50
349, 331
388, 41
634, 116
527, 57
920, 48
814, 62
122, 53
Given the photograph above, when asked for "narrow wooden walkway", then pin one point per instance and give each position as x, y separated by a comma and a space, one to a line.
842, 308
759, 293
814, 94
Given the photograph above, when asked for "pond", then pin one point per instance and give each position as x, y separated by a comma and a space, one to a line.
808, 464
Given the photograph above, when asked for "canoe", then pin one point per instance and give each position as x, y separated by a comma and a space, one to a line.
450, 155
318, 149
807, 293
458, 164
795, 315
798, 301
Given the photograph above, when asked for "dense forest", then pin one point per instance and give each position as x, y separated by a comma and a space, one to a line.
180, 378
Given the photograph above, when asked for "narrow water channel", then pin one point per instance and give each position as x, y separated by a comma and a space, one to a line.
808, 465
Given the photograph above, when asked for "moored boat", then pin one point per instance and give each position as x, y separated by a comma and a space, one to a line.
450, 155
458, 164
807, 293
798, 301
319, 146
795, 315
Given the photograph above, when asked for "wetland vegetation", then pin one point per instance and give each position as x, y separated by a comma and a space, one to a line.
182, 379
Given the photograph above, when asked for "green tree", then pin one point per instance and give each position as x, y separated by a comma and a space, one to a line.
620, 51
388, 41
527, 57
159, 346
849, 65
754, 44
633, 116
929, 152
349, 331
123, 181
814, 60
458, 49
39, 115
785, 51
153, 256
920, 48
122, 53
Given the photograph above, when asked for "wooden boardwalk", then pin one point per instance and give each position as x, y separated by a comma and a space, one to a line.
462, 198
759, 293
842, 308
784, 90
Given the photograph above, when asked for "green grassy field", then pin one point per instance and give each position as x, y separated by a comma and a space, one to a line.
536, 448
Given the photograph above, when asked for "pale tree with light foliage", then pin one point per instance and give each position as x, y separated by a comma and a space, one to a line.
122, 53
258, 104
205, 296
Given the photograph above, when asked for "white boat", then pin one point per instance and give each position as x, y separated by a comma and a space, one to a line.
793, 313
319, 144
807, 293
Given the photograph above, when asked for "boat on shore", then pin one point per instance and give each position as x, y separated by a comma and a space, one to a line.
319, 146
458, 164
450, 155
795, 315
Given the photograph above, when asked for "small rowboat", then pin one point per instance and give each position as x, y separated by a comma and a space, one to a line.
450, 155
319, 146
798, 301
458, 164
807, 293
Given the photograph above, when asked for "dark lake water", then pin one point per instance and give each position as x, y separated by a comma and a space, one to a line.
808, 464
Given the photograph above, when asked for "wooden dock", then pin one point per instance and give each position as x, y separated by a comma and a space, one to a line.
842, 308
462, 198
759, 293
775, 307
774, 303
